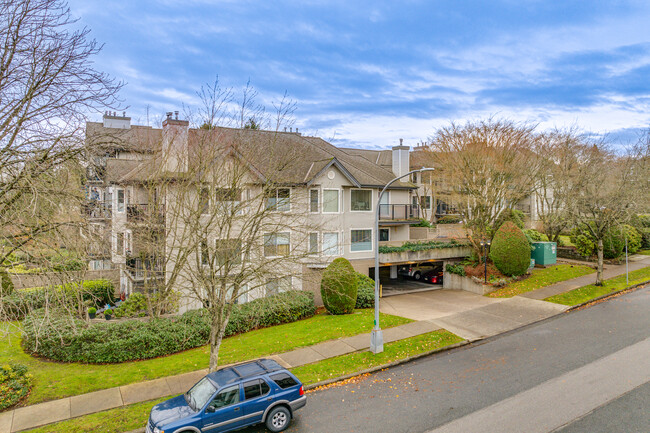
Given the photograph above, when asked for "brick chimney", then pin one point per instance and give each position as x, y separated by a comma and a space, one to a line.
174, 147
400, 159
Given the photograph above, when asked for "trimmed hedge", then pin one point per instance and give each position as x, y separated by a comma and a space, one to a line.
70, 340
365, 291
338, 287
449, 219
21, 302
15, 384
510, 250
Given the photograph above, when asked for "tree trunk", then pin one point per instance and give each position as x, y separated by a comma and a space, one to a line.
599, 271
216, 336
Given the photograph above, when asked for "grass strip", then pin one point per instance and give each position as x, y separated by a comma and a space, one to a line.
644, 252
359, 361
136, 415
54, 380
542, 278
587, 293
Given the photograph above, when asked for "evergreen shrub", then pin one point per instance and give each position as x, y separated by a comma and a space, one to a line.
510, 250
339, 287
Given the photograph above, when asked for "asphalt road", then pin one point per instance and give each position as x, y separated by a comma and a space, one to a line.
584, 371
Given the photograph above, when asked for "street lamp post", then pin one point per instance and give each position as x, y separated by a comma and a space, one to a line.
376, 335
485, 245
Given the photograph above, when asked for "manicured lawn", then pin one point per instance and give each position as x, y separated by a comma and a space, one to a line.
118, 420
644, 252
358, 361
587, 293
542, 278
54, 380
566, 241
135, 416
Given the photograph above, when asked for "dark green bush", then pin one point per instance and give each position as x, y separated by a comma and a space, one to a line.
449, 219
423, 223
513, 215
456, 269
338, 287
70, 340
613, 241
365, 291
645, 238
634, 239
510, 250
535, 236
15, 384
6, 285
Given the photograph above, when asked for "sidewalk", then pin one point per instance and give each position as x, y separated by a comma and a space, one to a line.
472, 317
609, 271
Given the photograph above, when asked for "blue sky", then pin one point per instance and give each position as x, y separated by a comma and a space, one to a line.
366, 73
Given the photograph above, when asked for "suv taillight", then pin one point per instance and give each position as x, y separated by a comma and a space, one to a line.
301, 391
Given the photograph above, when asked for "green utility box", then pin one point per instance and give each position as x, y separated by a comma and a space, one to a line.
544, 253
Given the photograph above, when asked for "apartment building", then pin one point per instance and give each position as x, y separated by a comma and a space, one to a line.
334, 190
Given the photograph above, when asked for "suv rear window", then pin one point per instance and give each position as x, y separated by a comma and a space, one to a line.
283, 380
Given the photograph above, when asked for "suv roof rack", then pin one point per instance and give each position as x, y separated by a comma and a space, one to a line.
244, 370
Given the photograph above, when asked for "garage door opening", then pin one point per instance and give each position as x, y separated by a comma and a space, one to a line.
397, 279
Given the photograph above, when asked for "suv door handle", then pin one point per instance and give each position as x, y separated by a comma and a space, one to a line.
269, 399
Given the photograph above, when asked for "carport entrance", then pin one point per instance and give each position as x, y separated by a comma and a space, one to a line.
407, 277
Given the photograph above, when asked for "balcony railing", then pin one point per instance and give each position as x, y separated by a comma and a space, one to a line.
399, 212
140, 269
97, 209
146, 213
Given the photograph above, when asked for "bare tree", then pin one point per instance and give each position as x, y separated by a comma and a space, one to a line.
47, 87
606, 198
489, 166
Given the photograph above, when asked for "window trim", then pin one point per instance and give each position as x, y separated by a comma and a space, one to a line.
387, 230
371, 199
318, 201
339, 207
372, 240
275, 208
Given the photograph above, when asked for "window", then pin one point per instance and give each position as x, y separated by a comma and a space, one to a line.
279, 200
120, 200
205, 254
385, 199
278, 285
227, 252
425, 202
331, 244
360, 199
384, 235
255, 388
313, 243
283, 380
119, 244
227, 198
331, 200
204, 200
226, 397
313, 200
201, 393
361, 240
276, 244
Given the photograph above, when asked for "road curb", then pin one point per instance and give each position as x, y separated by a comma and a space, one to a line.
387, 365
607, 295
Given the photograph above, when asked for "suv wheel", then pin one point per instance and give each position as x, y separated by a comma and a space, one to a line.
417, 275
278, 419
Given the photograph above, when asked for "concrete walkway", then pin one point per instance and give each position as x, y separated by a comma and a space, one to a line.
467, 315
609, 271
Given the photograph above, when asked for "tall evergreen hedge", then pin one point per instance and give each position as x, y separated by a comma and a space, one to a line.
510, 250
339, 287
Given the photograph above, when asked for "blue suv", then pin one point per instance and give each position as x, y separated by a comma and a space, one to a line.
232, 398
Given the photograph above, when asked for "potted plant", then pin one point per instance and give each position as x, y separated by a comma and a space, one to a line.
108, 313
92, 311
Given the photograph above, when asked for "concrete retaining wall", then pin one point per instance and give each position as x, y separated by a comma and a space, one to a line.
457, 282
23, 281
414, 256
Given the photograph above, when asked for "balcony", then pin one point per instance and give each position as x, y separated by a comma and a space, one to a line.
146, 213
97, 210
399, 213
140, 269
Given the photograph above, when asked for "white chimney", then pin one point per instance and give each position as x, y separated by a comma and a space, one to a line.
113, 120
400, 159
175, 151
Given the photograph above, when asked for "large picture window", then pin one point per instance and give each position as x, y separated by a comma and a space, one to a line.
331, 244
276, 244
331, 200
360, 199
361, 240
279, 200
